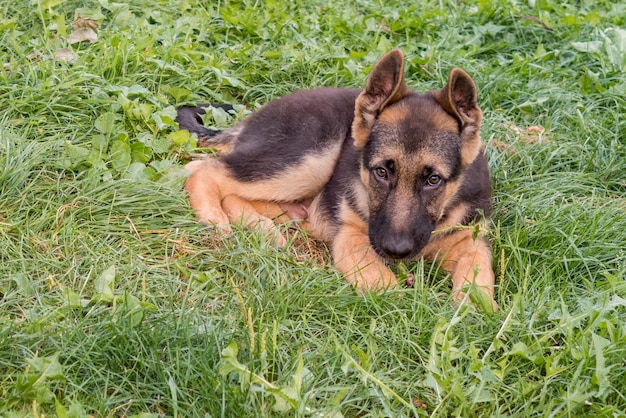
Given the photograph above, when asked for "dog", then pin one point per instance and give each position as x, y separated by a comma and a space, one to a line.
381, 175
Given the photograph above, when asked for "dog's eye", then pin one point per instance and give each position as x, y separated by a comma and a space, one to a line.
434, 180
381, 173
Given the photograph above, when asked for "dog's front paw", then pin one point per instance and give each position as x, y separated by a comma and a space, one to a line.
244, 212
219, 221
375, 277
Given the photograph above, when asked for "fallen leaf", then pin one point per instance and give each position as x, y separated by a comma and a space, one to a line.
530, 134
502, 146
533, 134
82, 23
65, 55
83, 34
420, 404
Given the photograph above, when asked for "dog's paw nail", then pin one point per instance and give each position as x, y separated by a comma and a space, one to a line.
223, 229
280, 241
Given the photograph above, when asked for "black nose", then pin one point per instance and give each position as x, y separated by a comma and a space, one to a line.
398, 245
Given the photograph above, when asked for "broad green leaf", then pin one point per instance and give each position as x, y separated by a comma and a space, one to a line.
175, 176
104, 285
179, 137
521, 349
73, 299
233, 81
78, 155
105, 123
178, 93
220, 116
229, 362
7, 24
47, 367
47, 5
143, 111
133, 309
76, 410
140, 172
481, 299
282, 401
216, 118
590, 46
602, 372
138, 90
165, 118
483, 394
288, 397
31, 387
100, 142
161, 144
60, 409
24, 284
384, 45
59, 24
87, 13
120, 155
140, 152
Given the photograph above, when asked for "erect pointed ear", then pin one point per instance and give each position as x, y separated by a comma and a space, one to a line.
385, 85
460, 99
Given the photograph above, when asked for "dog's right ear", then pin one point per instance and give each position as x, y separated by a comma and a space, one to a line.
385, 85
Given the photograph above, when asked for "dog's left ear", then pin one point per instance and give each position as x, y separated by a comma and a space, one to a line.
385, 85
460, 99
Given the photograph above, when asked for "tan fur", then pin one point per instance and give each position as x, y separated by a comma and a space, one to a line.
471, 147
444, 121
454, 216
254, 215
204, 186
354, 257
305, 179
210, 182
317, 224
467, 259
402, 211
451, 190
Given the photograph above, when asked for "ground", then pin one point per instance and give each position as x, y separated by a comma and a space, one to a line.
116, 303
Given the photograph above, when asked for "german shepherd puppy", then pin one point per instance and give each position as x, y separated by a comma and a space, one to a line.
381, 175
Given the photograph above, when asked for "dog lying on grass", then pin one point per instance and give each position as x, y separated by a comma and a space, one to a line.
381, 175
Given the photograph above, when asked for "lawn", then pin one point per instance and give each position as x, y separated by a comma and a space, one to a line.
114, 302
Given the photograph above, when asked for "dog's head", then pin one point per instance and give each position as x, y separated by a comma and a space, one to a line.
414, 150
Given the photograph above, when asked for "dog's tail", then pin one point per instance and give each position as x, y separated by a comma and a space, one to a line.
188, 117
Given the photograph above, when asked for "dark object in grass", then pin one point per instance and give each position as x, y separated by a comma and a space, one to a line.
410, 280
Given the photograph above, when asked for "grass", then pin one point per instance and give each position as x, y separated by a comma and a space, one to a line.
116, 303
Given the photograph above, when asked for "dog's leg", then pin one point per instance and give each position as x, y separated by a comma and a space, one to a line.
468, 259
356, 259
204, 187
255, 214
